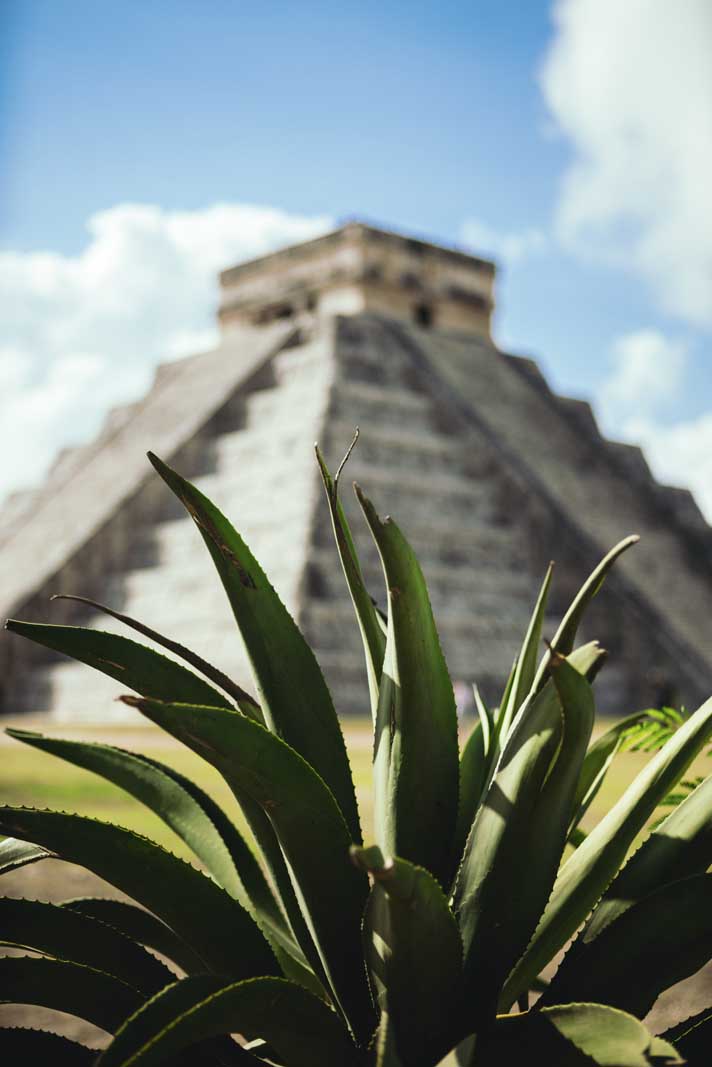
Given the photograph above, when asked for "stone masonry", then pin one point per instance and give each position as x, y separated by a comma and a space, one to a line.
487, 471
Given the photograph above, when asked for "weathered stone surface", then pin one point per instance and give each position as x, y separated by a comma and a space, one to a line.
485, 469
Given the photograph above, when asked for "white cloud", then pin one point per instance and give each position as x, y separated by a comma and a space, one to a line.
680, 454
513, 247
630, 85
649, 372
84, 332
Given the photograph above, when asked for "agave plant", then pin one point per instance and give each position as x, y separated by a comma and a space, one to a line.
317, 951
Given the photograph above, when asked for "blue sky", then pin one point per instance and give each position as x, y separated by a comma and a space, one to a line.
572, 141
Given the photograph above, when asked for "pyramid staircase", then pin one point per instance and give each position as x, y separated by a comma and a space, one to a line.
256, 462
261, 473
489, 473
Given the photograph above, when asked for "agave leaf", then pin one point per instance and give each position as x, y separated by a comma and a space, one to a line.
159, 1012
526, 662
311, 830
463, 1053
374, 643
519, 832
658, 941
416, 750
386, 1055
290, 961
415, 951
140, 926
473, 775
301, 1028
485, 718
214, 925
134, 665
680, 847
67, 935
499, 712
586, 875
190, 813
692, 1038
15, 854
597, 763
565, 636
296, 703
488, 882
575, 1035
85, 992
244, 701
23, 1045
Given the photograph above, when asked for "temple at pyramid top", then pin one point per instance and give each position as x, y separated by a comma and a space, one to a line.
359, 268
489, 473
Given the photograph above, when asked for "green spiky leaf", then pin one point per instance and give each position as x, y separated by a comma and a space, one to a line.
596, 765
310, 827
473, 775
15, 854
135, 666
244, 701
526, 662
140, 926
67, 935
295, 701
657, 942
587, 874
88, 993
519, 832
416, 751
679, 847
369, 623
215, 926
191, 814
575, 1035
22, 1045
415, 954
565, 636
692, 1038
302, 1029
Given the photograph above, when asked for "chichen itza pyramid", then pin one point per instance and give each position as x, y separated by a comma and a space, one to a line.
489, 473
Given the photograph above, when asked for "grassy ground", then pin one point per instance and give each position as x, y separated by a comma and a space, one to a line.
30, 777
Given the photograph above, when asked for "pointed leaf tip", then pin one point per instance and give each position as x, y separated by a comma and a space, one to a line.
369, 859
131, 700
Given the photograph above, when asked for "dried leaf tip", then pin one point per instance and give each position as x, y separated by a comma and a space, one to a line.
130, 699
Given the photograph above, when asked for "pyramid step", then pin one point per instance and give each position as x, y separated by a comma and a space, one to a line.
251, 487
166, 581
410, 485
303, 380
380, 397
331, 624
179, 540
369, 419
400, 444
268, 449
301, 360
266, 407
468, 541
443, 580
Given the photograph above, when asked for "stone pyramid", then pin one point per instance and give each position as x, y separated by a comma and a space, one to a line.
487, 471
